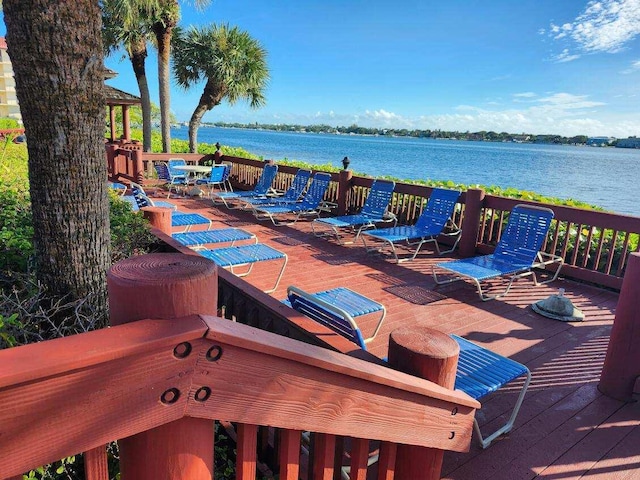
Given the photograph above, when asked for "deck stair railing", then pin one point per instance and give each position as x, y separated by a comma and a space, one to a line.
158, 385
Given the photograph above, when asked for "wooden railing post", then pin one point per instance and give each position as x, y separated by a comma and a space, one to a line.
165, 286
471, 222
621, 370
433, 355
138, 167
344, 185
158, 217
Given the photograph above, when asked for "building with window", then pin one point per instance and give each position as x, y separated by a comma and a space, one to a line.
9, 107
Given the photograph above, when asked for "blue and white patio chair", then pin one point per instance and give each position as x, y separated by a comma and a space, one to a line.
174, 181
143, 200
178, 219
432, 222
199, 240
290, 196
246, 256
309, 206
261, 190
480, 371
216, 179
516, 255
374, 211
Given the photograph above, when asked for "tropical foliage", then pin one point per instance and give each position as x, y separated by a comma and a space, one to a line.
229, 61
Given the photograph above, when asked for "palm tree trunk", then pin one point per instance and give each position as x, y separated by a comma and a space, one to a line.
138, 57
56, 51
163, 33
194, 124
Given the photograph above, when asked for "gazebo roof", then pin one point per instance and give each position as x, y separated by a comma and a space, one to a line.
113, 96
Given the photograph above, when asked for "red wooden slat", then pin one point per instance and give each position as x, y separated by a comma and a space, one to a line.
612, 250
247, 446
95, 464
289, 454
323, 454
623, 257
387, 461
576, 244
359, 457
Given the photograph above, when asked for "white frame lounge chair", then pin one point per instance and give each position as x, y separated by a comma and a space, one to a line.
432, 222
516, 255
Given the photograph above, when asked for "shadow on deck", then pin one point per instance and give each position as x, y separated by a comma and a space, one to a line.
566, 428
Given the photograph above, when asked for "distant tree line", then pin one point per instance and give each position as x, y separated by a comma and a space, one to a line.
486, 136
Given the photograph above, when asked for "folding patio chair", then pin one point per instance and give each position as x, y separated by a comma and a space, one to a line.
198, 240
290, 196
174, 181
217, 178
516, 255
374, 210
480, 371
309, 206
247, 256
431, 223
261, 189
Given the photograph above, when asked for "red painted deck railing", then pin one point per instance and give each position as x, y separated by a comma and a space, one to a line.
158, 385
595, 245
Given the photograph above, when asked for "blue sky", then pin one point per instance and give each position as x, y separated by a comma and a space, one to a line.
545, 66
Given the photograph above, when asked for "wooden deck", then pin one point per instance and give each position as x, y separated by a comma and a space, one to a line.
566, 428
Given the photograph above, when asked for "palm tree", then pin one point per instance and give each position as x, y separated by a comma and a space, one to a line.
56, 52
127, 23
167, 14
232, 63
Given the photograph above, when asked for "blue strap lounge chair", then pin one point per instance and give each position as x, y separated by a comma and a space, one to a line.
309, 206
290, 196
261, 189
198, 240
480, 371
143, 200
175, 182
217, 178
348, 305
373, 211
188, 220
431, 223
516, 255
246, 256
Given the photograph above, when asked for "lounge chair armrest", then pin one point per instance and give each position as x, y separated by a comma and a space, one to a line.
327, 207
545, 258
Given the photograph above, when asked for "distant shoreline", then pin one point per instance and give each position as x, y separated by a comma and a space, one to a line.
481, 136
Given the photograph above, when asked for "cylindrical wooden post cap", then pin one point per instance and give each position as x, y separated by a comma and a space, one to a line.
425, 353
162, 286
159, 217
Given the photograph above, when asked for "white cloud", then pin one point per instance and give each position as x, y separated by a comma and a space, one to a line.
603, 26
553, 113
565, 56
524, 95
634, 67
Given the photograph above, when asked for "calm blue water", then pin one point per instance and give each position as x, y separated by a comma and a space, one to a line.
607, 177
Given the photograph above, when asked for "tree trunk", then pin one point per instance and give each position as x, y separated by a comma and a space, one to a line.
163, 33
211, 97
56, 52
138, 56
194, 124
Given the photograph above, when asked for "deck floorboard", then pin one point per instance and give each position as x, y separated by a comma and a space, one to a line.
566, 428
